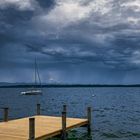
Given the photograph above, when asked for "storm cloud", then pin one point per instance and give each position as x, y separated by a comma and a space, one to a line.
82, 41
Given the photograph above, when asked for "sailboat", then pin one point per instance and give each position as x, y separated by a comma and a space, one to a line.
34, 90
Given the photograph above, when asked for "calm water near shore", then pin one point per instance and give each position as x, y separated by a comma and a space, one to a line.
116, 111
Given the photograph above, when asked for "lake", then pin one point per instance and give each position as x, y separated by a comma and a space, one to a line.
116, 111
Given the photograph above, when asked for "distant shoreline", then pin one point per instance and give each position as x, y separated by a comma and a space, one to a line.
64, 85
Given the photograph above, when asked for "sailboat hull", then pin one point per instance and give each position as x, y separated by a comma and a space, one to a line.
32, 92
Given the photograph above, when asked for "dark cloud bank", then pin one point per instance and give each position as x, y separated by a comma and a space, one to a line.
95, 41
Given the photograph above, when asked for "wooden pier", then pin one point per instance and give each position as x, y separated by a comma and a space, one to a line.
41, 127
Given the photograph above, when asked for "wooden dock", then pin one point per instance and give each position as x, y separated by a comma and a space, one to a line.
45, 127
41, 127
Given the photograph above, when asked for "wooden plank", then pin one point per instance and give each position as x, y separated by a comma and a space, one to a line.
45, 127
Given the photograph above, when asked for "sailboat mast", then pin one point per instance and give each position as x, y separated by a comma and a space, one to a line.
37, 76
35, 72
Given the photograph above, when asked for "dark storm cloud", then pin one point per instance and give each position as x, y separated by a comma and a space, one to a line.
46, 3
96, 36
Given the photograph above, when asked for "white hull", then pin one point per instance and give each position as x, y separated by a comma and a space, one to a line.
32, 92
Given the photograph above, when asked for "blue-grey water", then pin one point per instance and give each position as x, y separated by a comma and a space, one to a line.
116, 111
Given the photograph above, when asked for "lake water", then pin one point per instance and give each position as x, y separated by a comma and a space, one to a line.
116, 111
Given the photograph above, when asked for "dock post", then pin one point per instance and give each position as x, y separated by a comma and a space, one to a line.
64, 108
64, 133
38, 109
89, 119
31, 128
6, 114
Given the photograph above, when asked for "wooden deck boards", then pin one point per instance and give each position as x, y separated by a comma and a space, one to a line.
45, 127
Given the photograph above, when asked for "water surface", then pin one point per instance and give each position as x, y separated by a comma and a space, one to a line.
116, 111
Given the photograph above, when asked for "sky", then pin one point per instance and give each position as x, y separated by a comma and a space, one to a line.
74, 41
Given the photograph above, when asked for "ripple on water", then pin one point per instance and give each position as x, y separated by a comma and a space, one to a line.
121, 134
109, 135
